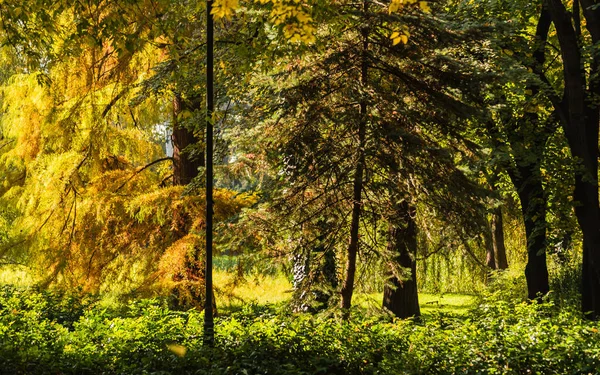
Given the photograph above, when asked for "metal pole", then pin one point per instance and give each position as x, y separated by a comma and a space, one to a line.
209, 335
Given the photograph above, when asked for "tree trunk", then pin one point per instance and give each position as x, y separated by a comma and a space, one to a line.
590, 282
350, 271
527, 141
400, 296
185, 165
301, 282
579, 117
586, 185
498, 239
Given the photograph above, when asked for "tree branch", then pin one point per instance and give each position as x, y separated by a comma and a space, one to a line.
141, 170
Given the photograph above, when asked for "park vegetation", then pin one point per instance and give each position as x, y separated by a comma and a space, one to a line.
371, 158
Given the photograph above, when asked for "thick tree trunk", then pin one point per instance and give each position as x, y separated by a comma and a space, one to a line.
185, 165
498, 239
588, 211
586, 189
350, 271
580, 117
400, 296
590, 287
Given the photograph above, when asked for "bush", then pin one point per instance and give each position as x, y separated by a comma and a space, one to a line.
146, 337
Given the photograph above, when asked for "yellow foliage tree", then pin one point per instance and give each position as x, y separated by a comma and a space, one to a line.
85, 172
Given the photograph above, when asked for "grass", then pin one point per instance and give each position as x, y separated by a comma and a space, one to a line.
263, 290
448, 303
451, 303
257, 289
15, 275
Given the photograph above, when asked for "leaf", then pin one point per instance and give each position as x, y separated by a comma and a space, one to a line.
178, 350
398, 37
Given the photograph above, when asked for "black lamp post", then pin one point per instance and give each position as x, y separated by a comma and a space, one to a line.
209, 334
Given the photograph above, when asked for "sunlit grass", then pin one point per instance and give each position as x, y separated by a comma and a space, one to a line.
257, 289
450, 303
263, 290
447, 303
15, 275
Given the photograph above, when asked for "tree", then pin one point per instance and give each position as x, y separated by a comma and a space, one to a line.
312, 110
91, 200
578, 112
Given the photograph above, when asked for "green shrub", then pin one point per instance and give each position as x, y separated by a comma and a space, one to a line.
146, 337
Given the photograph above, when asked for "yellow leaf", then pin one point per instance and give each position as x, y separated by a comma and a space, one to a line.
178, 350
424, 5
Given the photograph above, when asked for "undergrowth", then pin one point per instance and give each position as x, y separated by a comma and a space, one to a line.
46, 333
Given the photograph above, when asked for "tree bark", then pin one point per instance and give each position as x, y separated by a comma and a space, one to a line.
185, 166
400, 296
586, 185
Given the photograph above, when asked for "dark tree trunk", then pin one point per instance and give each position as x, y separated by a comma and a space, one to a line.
579, 117
588, 210
498, 239
401, 296
586, 188
185, 165
350, 269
